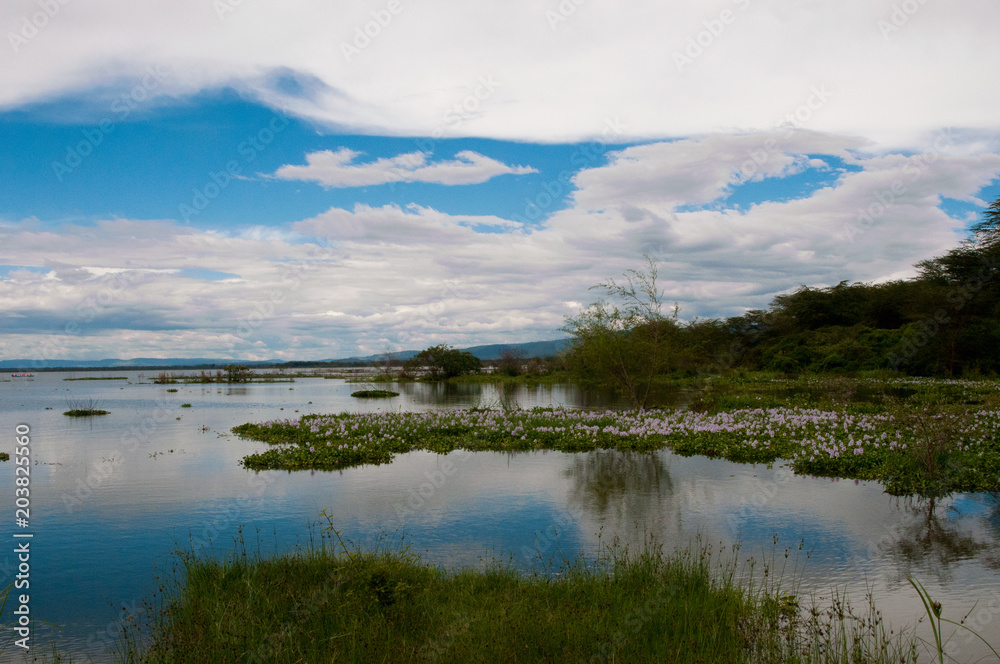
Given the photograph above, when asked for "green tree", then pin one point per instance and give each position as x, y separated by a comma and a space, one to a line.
444, 361
624, 344
238, 373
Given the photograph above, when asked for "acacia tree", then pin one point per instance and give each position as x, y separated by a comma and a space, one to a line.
444, 361
624, 343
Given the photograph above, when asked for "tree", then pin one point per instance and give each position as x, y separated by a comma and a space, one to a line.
511, 361
444, 361
238, 373
624, 344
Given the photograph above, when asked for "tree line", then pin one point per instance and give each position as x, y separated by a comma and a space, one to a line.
945, 321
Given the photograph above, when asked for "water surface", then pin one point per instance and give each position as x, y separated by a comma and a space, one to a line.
114, 496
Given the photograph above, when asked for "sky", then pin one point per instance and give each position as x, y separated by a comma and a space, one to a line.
310, 180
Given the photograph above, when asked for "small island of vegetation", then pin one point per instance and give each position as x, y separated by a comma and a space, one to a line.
374, 394
82, 408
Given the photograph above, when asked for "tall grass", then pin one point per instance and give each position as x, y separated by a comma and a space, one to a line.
337, 602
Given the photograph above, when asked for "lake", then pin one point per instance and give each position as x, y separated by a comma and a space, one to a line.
113, 497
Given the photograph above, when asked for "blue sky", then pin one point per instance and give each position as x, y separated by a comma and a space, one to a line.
302, 182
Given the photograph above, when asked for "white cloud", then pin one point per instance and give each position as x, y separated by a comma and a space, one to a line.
346, 281
560, 82
338, 169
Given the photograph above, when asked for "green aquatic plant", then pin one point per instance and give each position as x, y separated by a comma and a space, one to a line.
845, 442
82, 408
374, 394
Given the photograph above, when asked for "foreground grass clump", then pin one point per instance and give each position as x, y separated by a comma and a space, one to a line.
374, 394
905, 449
383, 606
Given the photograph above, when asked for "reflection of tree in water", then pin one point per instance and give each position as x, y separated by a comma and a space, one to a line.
929, 541
627, 487
992, 522
442, 393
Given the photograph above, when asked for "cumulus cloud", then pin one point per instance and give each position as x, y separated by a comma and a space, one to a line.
339, 169
353, 281
699, 170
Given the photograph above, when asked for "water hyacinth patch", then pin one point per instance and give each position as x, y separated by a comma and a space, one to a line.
837, 443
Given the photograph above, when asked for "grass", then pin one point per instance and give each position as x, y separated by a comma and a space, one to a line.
85, 412
185, 405
374, 394
857, 442
341, 603
84, 408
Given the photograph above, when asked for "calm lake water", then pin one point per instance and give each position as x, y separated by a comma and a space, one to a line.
113, 497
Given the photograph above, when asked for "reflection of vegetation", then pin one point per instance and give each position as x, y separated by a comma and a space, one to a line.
927, 541
630, 483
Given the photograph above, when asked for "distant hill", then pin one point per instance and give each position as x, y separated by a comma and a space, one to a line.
488, 352
135, 362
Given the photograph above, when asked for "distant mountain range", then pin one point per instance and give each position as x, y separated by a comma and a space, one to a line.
488, 352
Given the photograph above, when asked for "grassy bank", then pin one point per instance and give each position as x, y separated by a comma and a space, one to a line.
909, 446
383, 606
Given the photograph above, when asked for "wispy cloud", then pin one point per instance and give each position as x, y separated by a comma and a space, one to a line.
340, 169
